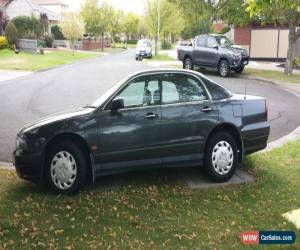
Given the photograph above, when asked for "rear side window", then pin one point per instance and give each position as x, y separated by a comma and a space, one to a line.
216, 91
201, 41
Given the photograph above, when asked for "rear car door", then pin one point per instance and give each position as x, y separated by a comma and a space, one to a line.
188, 114
211, 52
131, 138
199, 50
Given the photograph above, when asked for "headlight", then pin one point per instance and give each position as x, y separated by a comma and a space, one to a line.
21, 143
235, 55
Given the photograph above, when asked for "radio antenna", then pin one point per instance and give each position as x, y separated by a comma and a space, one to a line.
246, 84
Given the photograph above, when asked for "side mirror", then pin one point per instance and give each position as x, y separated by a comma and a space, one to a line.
116, 104
216, 47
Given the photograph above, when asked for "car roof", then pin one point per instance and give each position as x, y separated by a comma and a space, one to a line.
166, 70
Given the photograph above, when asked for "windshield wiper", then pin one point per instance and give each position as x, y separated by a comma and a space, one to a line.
90, 106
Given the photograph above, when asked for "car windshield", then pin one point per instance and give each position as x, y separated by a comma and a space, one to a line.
223, 41
143, 43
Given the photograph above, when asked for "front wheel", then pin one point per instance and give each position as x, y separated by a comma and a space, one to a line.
66, 168
188, 63
239, 70
223, 68
221, 157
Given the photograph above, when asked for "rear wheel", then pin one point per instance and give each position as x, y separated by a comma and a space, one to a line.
188, 63
66, 168
239, 70
223, 68
221, 157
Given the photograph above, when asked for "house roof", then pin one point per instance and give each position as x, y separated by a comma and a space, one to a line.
50, 2
35, 8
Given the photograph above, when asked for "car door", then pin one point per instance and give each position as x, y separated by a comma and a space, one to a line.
188, 114
131, 138
199, 50
211, 52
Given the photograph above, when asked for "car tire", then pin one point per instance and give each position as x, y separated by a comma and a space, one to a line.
224, 68
221, 157
66, 168
188, 63
239, 70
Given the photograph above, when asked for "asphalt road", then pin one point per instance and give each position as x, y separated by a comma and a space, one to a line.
29, 98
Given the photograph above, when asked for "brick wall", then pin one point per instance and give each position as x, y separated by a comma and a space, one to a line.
242, 35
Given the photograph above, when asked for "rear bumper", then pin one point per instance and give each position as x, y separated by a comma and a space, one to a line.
255, 137
143, 54
29, 166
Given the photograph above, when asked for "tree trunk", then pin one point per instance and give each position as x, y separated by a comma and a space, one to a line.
156, 45
291, 50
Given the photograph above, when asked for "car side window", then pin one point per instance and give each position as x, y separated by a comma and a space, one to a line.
217, 92
201, 41
181, 88
211, 42
140, 92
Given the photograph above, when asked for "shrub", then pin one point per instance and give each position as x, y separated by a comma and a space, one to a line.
3, 42
11, 33
28, 27
48, 40
296, 62
166, 45
133, 42
41, 43
57, 33
225, 29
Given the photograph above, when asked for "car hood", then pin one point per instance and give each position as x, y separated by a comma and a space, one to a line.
54, 118
235, 49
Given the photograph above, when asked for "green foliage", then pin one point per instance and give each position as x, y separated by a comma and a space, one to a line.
97, 18
57, 33
296, 62
41, 43
11, 33
130, 24
132, 42
166, 45
3, 42
28, 27
225, 29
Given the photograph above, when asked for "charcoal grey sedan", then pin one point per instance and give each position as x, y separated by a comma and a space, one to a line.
151, 119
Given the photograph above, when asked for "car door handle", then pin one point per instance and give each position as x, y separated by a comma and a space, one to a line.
206, 109
151, 116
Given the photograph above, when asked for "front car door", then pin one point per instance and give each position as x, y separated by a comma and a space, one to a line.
199, 50
211, 53
129, 139
188, 114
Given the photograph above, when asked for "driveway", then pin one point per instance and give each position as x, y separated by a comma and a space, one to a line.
73, 86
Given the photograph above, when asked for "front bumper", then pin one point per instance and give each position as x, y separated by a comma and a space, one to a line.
238, 63
143, 54
29, 166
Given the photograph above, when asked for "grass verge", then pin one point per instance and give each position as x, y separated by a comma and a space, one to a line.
161, 57
34, 62
272, 75
153, 210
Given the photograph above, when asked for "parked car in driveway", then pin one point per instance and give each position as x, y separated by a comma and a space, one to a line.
143, 49
151, 119
213, 51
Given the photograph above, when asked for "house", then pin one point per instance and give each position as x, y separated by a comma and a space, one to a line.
14, 8
56, 6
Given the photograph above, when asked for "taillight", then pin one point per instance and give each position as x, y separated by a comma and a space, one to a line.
266, 109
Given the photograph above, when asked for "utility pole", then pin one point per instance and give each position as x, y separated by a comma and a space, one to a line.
158, 26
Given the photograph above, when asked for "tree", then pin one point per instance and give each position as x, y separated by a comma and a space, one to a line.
286, 12
3, 20
72, 28
130, 24
28, 27
116, 24
97, 18
44, 21
11, 33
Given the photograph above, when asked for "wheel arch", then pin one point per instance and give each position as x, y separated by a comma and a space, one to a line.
223, 58
79, 141
233, 131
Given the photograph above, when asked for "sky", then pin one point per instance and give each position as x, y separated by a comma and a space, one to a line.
137, 6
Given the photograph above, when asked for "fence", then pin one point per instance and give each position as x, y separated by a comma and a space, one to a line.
95, 43
28, 45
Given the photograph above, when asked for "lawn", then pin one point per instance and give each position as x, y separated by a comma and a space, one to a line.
272, 75
161, 57
34, 62
152, 210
